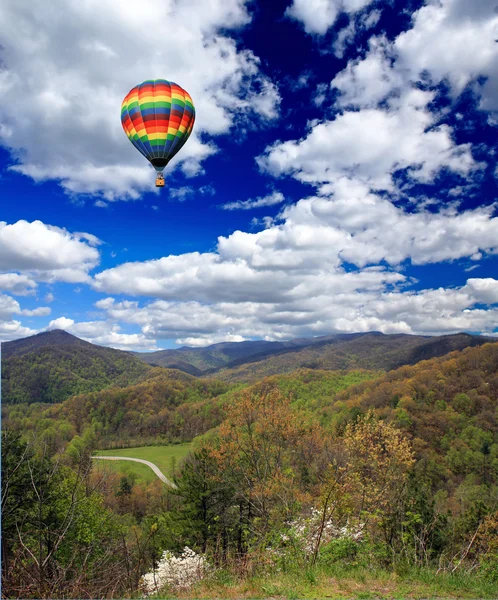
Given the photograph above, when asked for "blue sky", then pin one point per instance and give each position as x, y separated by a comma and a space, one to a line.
341, 175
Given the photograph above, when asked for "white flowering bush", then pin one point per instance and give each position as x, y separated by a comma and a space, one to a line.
175, 571
305, 534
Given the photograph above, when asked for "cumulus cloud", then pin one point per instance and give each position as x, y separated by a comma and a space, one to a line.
367, 81
46, 252
317, 236
103, 333
41, 311
454, 40
334, 261
483, 290
105, 303
17, 284
427, 312
270, 200
371, 145
10, 328
329, 263
36, 252
318, 270
317, 16
384, 123
13, 330
60, 323
200, 342
450, 40
65, 72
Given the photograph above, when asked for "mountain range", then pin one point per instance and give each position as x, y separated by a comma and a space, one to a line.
54, 365
252, 360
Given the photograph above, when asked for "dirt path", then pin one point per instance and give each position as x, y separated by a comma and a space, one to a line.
154, 467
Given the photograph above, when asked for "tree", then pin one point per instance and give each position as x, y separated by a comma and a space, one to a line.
378, 462
58, 539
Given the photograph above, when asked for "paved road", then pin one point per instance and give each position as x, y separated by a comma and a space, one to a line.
154, 467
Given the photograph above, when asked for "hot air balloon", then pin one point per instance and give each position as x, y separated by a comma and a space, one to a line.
158, 117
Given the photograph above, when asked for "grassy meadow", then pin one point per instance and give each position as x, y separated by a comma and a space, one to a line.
165, 457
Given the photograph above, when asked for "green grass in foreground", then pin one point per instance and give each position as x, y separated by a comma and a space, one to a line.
341, 583
162, 456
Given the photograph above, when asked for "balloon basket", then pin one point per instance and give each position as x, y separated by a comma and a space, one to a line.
159, 181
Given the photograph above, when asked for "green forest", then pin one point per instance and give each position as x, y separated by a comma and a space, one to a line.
362, 483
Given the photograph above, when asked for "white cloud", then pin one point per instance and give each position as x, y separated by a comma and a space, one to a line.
200, 342
8, 307
66, 71
346, 35
105, 303
308, 249
60, 323
10, 328
483, 290
396, 126
103, 333
46, 253
291, 279
367, 81
370, 229
371, 145
13, 330
17, 284
451, 40
317, 16
454, 39
41, 311
425, 312
319, 268
270, 200
331, 262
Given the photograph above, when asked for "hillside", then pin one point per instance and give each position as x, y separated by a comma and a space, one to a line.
52, 366
171, 405
372, 351
448, 407
166, 404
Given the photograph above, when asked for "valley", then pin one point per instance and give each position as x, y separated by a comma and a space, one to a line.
363, 466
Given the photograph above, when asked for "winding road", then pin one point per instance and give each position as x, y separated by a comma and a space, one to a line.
154, 467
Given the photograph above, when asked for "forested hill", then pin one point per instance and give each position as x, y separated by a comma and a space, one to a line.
373, 351
52, 366
166, 404
172, 405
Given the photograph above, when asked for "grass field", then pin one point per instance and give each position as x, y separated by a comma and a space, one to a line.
162, 456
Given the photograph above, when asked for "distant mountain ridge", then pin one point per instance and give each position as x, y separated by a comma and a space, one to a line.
54, 365
249, 361
209, 359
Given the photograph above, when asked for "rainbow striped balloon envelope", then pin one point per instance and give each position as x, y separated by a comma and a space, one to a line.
158, 117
